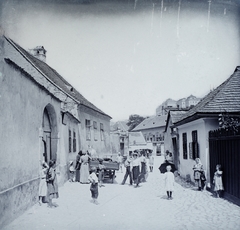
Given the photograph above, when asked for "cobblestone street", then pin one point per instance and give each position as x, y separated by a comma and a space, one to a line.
125, 207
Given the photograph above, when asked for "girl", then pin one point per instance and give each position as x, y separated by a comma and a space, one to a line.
52, 186
71, 171
94, 185
217, 180
198, 170
169, 182
43, 185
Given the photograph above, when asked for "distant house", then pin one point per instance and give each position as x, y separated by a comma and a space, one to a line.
170, 104
152, 129
194, 128
43, 117
119, 138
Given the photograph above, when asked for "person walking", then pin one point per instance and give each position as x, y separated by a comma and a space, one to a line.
78, 166
151, 162
217, 181
42, 192
119, 160
169, 182
94, 185
128, 172
84, 169
52, 185
198, 172
136, 164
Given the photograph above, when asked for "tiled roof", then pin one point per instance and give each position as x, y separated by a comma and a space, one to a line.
225, 98
152, 122
56, 78
120, 125
175, 115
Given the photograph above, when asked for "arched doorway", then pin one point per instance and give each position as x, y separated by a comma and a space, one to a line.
49, 126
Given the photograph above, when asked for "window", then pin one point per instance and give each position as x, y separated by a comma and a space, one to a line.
95, 130
153, 137
184, 138
88, 129
102, 132
195, 150
70, 141
74, 142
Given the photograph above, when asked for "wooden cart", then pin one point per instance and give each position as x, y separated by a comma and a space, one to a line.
109, 171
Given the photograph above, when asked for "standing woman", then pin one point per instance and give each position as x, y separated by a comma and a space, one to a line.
198, 171
84, 170
52, 186
43, 185
77, 166
136, 164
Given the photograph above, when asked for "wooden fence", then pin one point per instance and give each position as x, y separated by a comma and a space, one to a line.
224, 149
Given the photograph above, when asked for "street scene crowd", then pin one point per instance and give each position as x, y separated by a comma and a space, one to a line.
160, 199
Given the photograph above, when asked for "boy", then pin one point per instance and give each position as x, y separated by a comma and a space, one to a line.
94, 185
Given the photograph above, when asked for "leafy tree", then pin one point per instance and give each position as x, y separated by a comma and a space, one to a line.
134, 120
228, 122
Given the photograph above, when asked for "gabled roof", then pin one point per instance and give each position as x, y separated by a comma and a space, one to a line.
225, 98
136, 138
175, 116
55, 77
120, 125
151, 122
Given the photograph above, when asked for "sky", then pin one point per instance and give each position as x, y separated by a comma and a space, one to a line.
128, 57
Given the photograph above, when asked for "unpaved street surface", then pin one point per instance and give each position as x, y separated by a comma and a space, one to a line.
124, 207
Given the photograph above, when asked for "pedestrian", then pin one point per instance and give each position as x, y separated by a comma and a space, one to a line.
151, 162
217, 181
143, 169
52, 186
119, 160
136, 164
78, 166
128, 166
42, 192
84, 169
94, 185
71, 171
199, 174
169, 182
102, 168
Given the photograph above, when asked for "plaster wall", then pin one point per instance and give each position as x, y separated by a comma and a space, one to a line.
203, 126
102, 147
22, 103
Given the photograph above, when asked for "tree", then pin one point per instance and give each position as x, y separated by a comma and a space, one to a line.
134, 120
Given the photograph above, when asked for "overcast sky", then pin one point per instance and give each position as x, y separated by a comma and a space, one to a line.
128, 59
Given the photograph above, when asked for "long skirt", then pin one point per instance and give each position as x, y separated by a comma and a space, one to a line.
52, 189
136, 172
42, 187
77, 177
84, 173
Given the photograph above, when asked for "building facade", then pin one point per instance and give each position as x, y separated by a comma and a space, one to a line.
42, 117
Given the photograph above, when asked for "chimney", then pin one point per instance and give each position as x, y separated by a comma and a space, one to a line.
39, 52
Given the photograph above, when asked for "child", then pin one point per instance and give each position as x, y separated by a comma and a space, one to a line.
217, 180
169, 182
71, 171
101, 172
43, 185
94, 185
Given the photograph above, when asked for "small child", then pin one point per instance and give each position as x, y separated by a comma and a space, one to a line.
94, 185
43, 185
217, 180
71, 171
169, 182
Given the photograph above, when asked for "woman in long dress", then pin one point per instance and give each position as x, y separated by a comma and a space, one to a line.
84, 170
77, 166
198, 171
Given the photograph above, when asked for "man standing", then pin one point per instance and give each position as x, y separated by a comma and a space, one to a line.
128, 165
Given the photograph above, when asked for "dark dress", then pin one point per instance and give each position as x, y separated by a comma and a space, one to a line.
77, 168
52, 185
